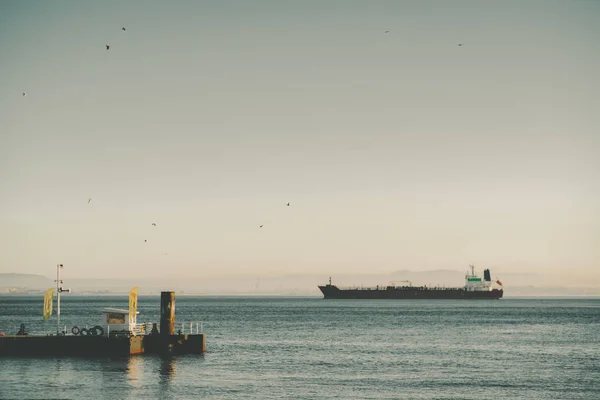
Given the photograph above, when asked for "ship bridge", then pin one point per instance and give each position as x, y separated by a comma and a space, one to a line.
475, 283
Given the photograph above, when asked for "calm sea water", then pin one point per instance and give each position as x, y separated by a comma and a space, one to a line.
310, 348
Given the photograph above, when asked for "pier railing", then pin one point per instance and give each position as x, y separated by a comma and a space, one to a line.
144, 328
191, 328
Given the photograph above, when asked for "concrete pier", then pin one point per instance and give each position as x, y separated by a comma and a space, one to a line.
93, 346
162, 342
167, 342
175, 344
83, 346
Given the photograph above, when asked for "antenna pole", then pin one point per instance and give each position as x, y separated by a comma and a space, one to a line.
58, 289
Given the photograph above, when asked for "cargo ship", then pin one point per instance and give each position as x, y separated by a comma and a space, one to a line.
475, 287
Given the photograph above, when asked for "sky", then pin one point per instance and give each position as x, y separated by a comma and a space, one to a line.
469, 133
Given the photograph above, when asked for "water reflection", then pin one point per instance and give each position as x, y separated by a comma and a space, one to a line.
137, 369
134, 366
167, 369
166, 375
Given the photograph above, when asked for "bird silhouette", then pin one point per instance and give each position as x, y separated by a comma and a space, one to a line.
145, 240
387, 31
90, 199
288, 204
261, 226
107, 47
153, 224
123, 28
460, 44
24, 94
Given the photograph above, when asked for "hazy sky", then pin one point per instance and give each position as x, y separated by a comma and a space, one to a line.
399, 150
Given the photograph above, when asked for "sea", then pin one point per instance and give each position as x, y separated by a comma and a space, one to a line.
312, 348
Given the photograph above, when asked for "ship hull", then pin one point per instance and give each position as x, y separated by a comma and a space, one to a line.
409, 293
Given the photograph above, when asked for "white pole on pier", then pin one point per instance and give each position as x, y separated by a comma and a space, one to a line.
59, 290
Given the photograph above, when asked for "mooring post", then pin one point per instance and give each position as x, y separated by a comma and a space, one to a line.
167, 313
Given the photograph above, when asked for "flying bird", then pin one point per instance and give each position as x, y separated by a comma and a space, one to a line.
24, 94
288, 204
90, 199
261, 226
107, 47
387, 31
123, 28
145, 240
153, 224
460, 44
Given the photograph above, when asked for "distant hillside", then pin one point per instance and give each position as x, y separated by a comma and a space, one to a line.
515, 284
30, 281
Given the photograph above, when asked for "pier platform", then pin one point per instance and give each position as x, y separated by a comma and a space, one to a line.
117, 334
84, 346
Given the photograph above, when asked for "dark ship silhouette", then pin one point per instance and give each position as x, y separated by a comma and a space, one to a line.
475, 288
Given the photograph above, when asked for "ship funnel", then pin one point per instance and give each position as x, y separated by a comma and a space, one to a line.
487, 276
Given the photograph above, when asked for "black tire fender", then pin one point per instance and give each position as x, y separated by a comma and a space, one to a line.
99, 330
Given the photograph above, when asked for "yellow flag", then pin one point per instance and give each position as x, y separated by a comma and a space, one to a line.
133, 297
48, 303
